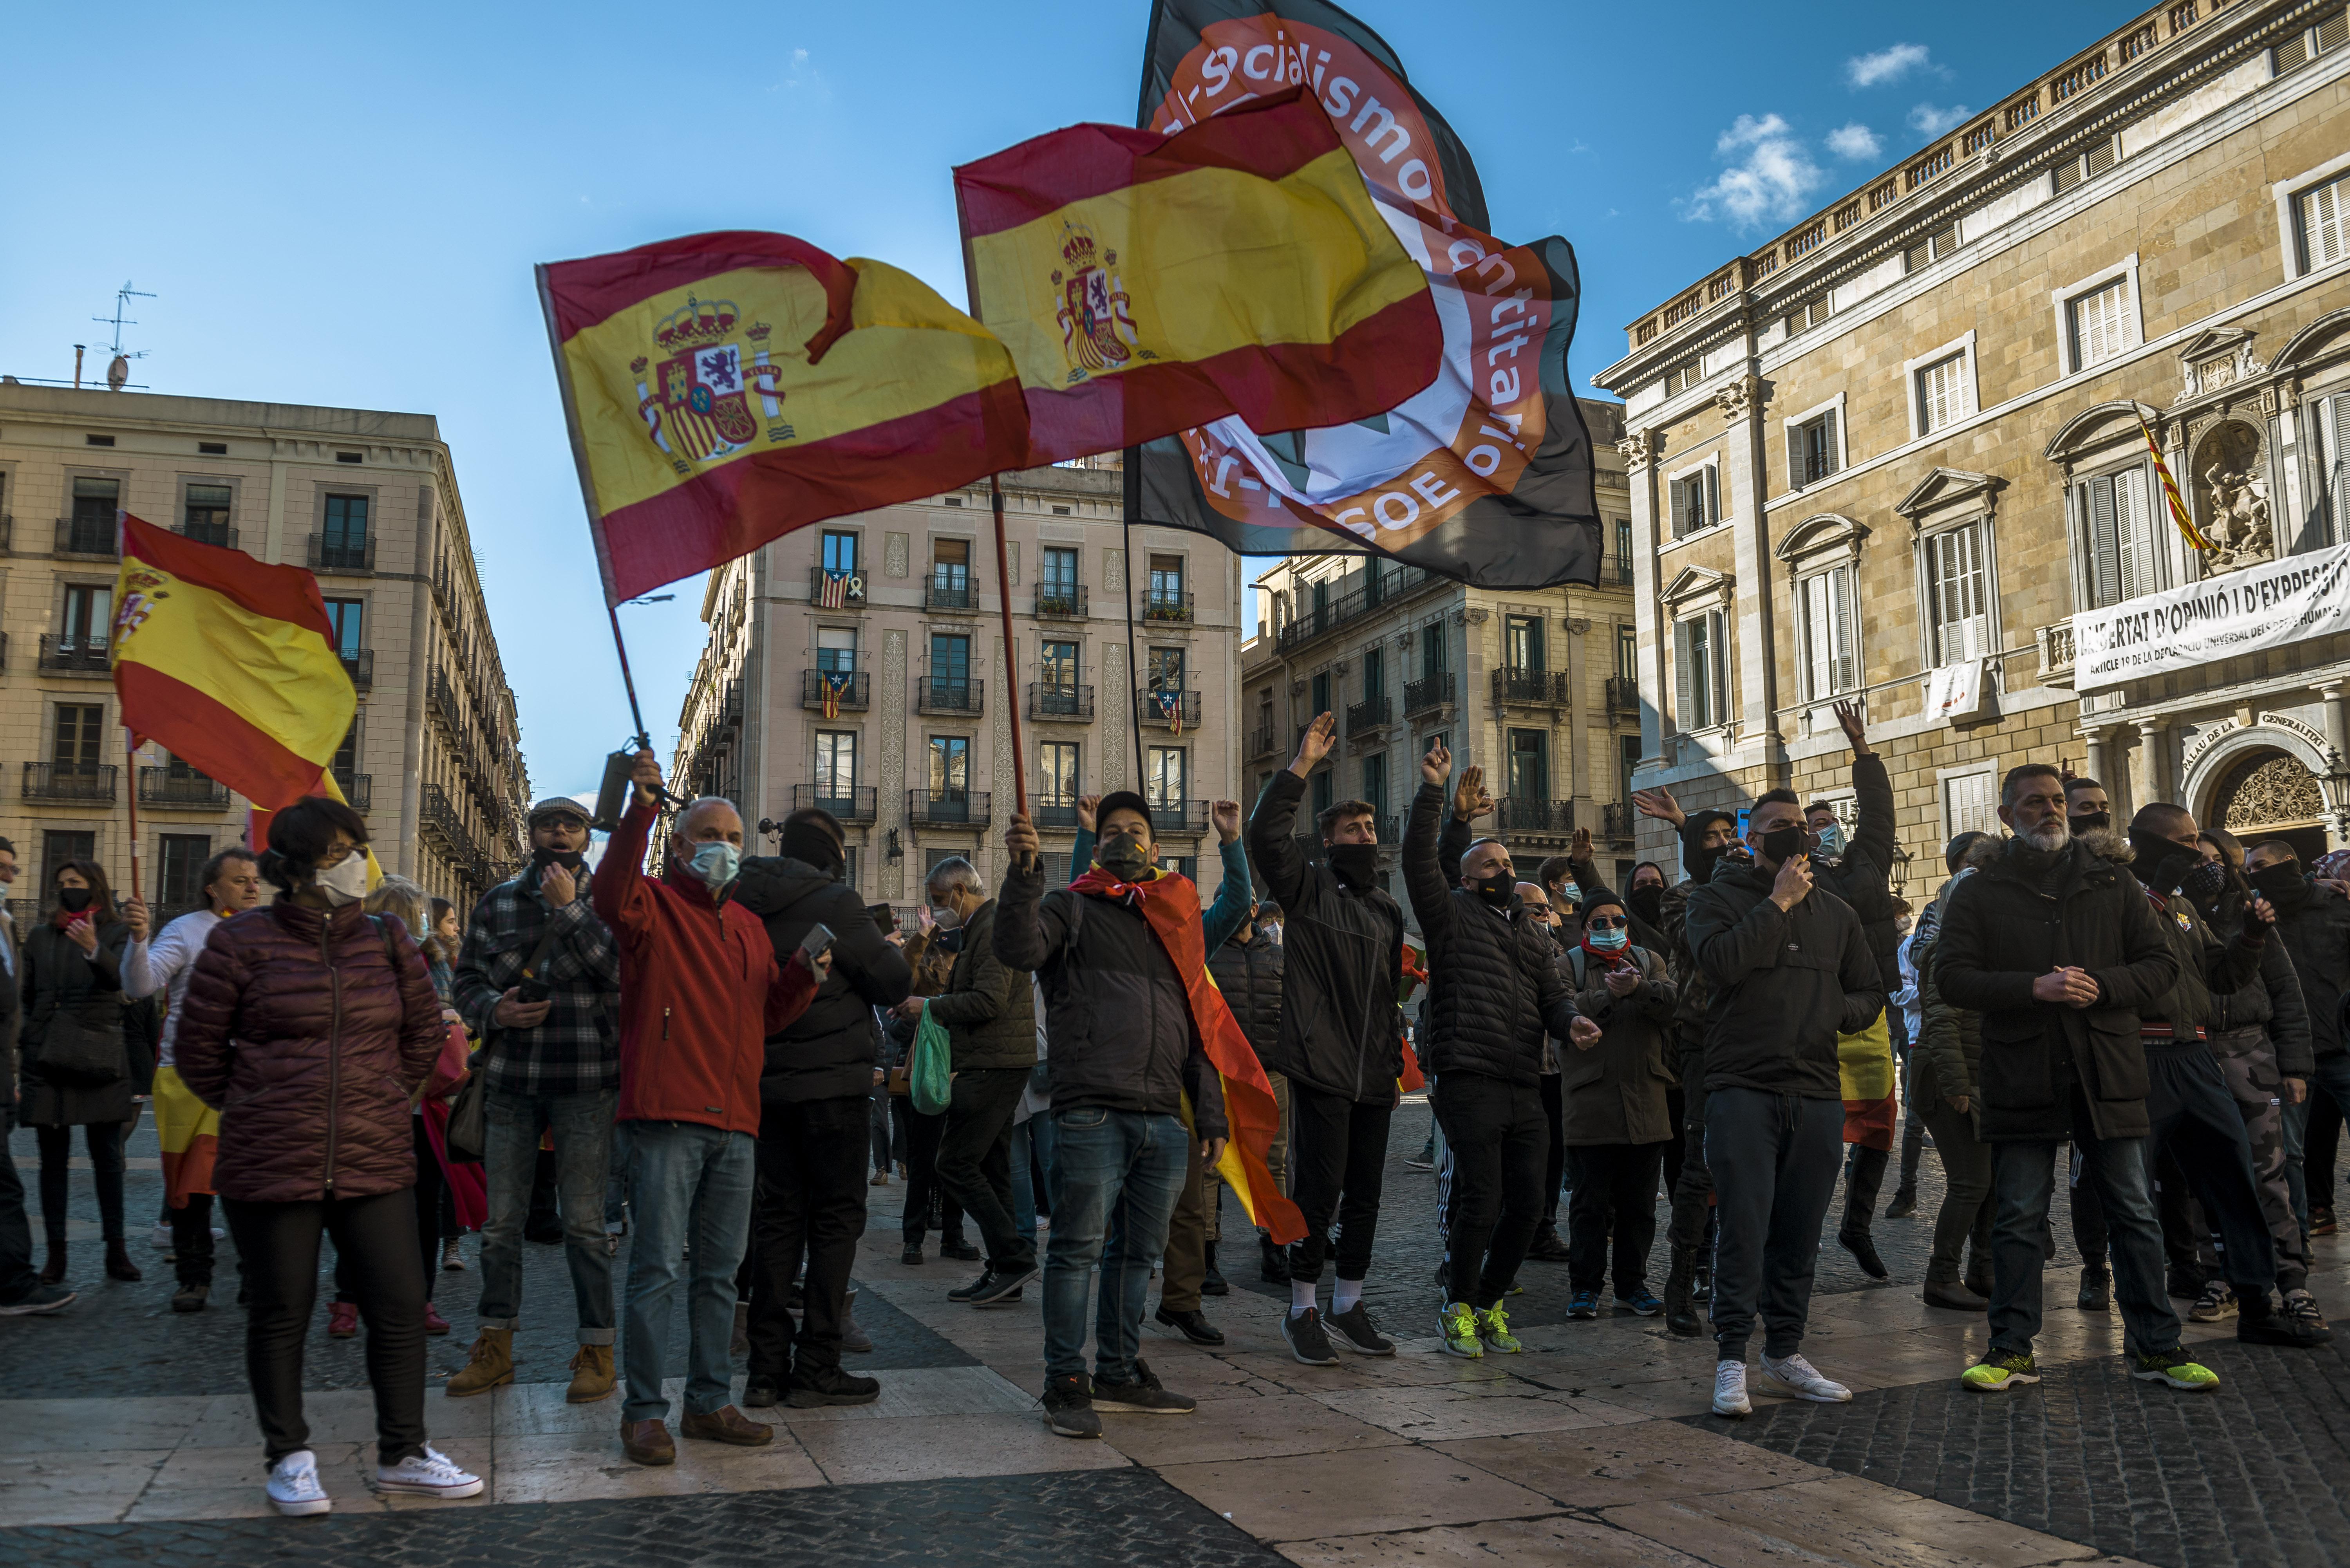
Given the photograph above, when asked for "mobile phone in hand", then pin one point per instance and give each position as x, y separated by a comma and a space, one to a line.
817, 943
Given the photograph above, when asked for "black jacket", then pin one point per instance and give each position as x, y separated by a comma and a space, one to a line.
2016, 920
1785, 984
54, 975
1341, 1028
1249, 974
989, 1010
2314, 927
1862, 874
1494, 985
827, 1052
1116, 1012
2273, 1004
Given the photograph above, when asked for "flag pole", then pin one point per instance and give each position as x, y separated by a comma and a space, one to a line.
635, 714
1011, 663
130, 797
1133, 668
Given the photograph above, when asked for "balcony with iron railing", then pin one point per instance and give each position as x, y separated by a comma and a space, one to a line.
1061, 601
1060, 699
440, 825
1351, 597
182, 789
1176, 815
1371, 714
1616, 821
341, 553
730, 703
1428, 691
1623, 694
953, 591
1523, 813
93, 538
1167, 708
219, 533
69, 781
1617, 569
951, 694
859, 804
1533, 688
830, 589
1165, 605
441, 702
358, 664
961, 808
1055, 816
1263, 739
359, 789
73, 655
850, 689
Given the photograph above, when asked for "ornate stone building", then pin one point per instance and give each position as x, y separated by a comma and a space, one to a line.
1538, 687
1893, 455
858, 666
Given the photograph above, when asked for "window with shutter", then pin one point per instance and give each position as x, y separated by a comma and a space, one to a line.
1960, 593
2100, 323
1942, 394
2324, 233
2334, 424
1697, 672
1831, 632
1969, 804
2133, 533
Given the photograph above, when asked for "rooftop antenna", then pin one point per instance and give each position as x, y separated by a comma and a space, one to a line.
118, 370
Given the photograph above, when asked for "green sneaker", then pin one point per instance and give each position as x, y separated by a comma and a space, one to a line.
2001, 1369
1458, 1324
1494, 1328
2173, 1368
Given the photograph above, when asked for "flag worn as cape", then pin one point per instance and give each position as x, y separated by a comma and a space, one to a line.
1169, 902
1485, 476
723, 389
189, 1131
1865, 1074
228, 663
1235, 269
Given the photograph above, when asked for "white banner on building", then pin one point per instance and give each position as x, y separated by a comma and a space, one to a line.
2248, 611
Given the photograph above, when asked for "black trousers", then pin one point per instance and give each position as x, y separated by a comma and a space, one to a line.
104, 1140
1693, 1188
1337, 1163
1615, 1188
974, 1160
1676, 1147
191, 1241
1553, 1101
18, 1278
927, 1202
2195, 1121
810, 1200
1498, 1137
375, 1241
432, 1195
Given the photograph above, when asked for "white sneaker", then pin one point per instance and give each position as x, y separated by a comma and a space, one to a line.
162, 1238
294, 1486
1802, 1379
428, 1474
1729, 1389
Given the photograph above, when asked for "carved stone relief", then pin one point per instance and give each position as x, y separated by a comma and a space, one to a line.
2231, 497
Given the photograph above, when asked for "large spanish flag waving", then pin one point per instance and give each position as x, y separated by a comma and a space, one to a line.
229, 663
725, 388
1145, 283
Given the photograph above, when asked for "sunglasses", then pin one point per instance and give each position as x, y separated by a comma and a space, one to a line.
1604, 924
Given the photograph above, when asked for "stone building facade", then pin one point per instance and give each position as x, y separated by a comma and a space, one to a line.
1891, 455
858, 666
368, 502
1538, 687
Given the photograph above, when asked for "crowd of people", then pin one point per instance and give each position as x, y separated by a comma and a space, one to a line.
716, 1061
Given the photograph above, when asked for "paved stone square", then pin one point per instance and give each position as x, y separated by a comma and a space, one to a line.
126, 1436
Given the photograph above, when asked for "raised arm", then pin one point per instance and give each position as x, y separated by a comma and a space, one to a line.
619, 889
1027, 936
1423, 876
1873, 834
1272, 830
1235, 895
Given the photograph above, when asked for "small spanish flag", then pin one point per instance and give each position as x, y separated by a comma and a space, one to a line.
2179, 512
1146, 284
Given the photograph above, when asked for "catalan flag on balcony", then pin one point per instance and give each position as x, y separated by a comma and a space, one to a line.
723, 389
1236, 268
2179, 512
833, 686
834, 595
1170, 705
230, 664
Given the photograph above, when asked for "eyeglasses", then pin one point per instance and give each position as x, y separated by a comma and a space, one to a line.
1605, 924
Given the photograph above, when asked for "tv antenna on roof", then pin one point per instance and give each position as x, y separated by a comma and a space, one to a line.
118, 370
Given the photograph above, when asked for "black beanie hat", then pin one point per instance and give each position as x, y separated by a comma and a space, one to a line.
1123, 800
1956, 850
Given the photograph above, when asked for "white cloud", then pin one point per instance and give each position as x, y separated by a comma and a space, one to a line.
1853, 141
1934, 121
1888, 65
1769, 181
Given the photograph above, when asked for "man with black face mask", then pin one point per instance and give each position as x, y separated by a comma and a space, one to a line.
2087, 808
1341, 1041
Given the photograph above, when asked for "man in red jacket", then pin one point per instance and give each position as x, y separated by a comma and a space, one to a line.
700, 990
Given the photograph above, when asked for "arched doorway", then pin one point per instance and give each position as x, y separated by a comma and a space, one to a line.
2270, 795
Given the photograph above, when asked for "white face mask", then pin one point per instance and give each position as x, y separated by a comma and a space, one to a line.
946, 918
345, 881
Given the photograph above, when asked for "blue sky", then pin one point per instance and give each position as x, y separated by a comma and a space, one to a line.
342, 204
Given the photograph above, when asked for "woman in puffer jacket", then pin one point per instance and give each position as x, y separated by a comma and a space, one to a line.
310, 1027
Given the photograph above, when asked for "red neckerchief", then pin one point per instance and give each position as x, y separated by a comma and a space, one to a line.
62, 917
1619, 959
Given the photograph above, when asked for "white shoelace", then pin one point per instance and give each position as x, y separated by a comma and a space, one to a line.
432, 1467
296, 1475
1729, 1377
1801, 1372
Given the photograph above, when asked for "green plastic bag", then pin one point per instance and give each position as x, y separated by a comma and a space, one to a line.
930, 1075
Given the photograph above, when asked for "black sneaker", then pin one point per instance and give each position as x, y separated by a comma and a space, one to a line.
994, 1286
1275, 1269
1307, 1340
1548, 1247
830, 1386
959, 1249
2269, 1326
1192, 1325
41, 1298
2096, 1290
1359, 1333
1904, 1204
1069, 1408
964, 1292
912, 1254
1145, 1396
2302, 1309
1863, 1253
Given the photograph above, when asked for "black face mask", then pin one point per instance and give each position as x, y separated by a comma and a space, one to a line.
809, 844
1498, 890
2204, 882
2282, 885
2091, 821
73, 900
1356, 864
1782, 845
1648, 903
2161, 864
569, 859
1121, 855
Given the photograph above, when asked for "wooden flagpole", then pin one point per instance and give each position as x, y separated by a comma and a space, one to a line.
1010, 661
130, 797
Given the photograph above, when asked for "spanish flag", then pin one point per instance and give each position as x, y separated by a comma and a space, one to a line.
1144, 284
187, 1130
725, 388
229, 663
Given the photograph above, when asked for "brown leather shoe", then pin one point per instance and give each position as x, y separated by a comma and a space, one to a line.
648, 1442
727, 1425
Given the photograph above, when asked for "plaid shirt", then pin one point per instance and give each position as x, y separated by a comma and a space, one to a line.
576, 1049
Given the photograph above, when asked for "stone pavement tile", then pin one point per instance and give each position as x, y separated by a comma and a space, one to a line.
1499, 1544
1651, 1460
1454, 1410
950, 1445
1405, 1366
198, 1469
1845, 1520
1360, 1491
575, 1467
60, 1426
336, 1416
75, 1488
1657, 1398
1242, 1429
940, 1391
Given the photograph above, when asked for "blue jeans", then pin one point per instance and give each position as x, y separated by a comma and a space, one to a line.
2022, 1181
1034, 1135
691, 1183
1116, 1178
616, 1181
582, 1126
